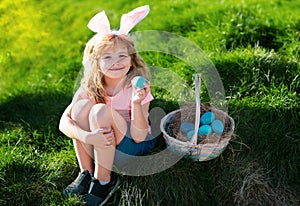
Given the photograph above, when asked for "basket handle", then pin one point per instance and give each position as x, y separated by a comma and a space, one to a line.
197, 80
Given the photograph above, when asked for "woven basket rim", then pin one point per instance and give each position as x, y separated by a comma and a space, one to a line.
187, 143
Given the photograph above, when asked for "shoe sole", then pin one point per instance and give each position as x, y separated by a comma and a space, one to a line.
111, 192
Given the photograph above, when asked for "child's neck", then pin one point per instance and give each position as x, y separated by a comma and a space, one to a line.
113, 86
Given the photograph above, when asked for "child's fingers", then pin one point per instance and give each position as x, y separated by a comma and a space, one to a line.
104, 130
147, 89
147, 84
110, 139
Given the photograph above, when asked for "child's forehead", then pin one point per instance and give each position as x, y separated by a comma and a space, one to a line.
114, 48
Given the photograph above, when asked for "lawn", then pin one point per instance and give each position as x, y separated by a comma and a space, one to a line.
254, 46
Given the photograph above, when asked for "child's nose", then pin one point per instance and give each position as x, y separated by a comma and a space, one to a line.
116, 61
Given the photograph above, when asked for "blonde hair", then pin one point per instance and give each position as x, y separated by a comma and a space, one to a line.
93, 83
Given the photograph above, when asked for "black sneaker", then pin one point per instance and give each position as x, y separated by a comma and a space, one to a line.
79, 186
99, 194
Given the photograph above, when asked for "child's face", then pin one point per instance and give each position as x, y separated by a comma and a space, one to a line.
115, 62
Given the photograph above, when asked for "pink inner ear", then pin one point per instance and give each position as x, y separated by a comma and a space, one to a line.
128, 21
100, 24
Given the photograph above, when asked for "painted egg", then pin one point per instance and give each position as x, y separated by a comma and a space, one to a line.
190, 134
207, 118
139, 82
204, 130
186, 126
217, 126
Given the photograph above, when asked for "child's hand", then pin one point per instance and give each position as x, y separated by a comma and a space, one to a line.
103, 137
140, 94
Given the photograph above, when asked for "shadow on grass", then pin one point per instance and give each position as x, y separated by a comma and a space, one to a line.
262, 35
272, 151
22, 184
33, 119
41, 111
37, 110
264, 69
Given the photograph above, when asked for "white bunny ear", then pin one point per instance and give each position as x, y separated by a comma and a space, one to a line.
100, 24
129, 20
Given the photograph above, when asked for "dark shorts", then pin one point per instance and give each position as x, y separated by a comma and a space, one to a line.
128, 148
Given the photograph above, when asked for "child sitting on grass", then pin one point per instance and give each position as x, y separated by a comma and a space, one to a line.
107, 113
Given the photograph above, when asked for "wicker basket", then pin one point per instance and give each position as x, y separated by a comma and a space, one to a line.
199, 150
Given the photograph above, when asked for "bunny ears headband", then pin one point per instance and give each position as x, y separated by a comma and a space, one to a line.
100, 24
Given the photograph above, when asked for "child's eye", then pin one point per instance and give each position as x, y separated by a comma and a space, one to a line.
106, 57
122, 55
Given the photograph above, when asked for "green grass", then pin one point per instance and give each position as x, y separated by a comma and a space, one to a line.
255, 47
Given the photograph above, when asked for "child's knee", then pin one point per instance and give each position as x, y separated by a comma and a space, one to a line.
99, 113
99, 109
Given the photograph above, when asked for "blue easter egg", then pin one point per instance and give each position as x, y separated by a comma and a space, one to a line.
217, 126
204, 130
139, 82
207, 118
190, 134
186, 126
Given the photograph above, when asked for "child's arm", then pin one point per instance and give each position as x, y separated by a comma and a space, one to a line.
68, 126
71, 129
139, 121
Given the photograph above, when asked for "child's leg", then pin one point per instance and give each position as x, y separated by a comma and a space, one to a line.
84, 152
81, 184
103, 116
